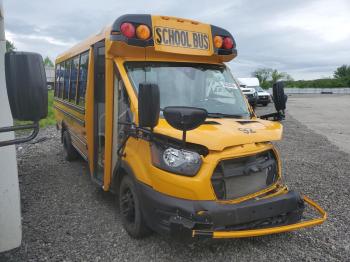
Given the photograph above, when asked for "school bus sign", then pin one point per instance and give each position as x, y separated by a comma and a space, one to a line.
181, 37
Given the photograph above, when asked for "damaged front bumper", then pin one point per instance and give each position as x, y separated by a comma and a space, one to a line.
211, 219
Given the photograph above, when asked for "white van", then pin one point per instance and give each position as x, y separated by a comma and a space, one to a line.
263, 97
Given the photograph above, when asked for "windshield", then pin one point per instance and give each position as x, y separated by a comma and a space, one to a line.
211, 87
258, 89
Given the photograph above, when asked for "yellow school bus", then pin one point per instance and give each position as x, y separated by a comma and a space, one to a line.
152, 107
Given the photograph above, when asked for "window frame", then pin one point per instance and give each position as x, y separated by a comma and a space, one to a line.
70, 100
78, 97
56, 83
66, 62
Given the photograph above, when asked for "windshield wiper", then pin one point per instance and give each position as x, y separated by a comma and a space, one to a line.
222, 115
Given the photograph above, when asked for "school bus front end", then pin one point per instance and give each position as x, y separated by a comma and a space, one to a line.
183, 149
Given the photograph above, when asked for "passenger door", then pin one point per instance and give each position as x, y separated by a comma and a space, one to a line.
99, 110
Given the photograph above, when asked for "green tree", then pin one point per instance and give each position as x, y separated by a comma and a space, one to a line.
277, 76
48, 62
342, 74
10, 46
263, 75
342, 71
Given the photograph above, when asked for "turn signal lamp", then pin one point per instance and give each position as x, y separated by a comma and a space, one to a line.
127, 30
143, 32
218, 41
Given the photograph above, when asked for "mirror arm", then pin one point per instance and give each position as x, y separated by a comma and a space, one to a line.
34, 126
277, 116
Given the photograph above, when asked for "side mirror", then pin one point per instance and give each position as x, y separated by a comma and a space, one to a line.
185, 118
27, 92
149, 105
279, 98
26, 85
280, 101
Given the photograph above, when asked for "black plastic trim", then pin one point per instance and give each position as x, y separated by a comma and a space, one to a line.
215, 30
175, 216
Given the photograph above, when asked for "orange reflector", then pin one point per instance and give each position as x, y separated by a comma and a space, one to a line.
143, 32
218, 41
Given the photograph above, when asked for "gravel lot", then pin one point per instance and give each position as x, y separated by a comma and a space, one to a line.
66, 217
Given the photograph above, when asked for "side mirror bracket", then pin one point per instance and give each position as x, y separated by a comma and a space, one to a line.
34, 126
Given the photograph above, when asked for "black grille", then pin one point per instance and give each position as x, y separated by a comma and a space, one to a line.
238, 177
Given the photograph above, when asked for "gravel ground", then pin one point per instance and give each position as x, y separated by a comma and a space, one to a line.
67, 218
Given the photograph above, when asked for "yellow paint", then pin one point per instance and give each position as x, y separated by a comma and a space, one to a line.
224, 141
89, 105
109, 123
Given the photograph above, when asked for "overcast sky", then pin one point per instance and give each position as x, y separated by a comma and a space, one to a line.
307, 39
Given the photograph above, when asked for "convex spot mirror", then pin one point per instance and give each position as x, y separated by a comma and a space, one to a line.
184, 118
148, 105
279, 98
26, 85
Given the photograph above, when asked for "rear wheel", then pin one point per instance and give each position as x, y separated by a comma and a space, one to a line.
130, 209
70, 153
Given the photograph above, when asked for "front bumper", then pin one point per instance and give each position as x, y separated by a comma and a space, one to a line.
187, 218
263, 99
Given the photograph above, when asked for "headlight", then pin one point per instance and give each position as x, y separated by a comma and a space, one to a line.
174, 160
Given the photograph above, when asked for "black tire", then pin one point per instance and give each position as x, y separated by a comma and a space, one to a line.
70, 153
264, 104
130, 209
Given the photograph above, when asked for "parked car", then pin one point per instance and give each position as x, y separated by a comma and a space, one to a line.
251, 94
264, 97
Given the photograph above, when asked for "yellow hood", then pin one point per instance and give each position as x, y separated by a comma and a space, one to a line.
217, 134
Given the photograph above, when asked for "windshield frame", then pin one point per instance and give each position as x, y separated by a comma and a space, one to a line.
246, 113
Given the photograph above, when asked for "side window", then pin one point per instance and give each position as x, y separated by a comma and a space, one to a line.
73, 79
61, 80
124, 111
66, 79
83, 70
57, 83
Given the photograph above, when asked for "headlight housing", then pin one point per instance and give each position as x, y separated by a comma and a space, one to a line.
178, 161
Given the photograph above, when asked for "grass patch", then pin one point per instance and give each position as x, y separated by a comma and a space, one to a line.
50, 119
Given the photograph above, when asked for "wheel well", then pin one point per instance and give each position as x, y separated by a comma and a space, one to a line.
63, 128
119, 172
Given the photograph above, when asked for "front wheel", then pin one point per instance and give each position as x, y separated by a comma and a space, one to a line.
130, 209
70, 153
